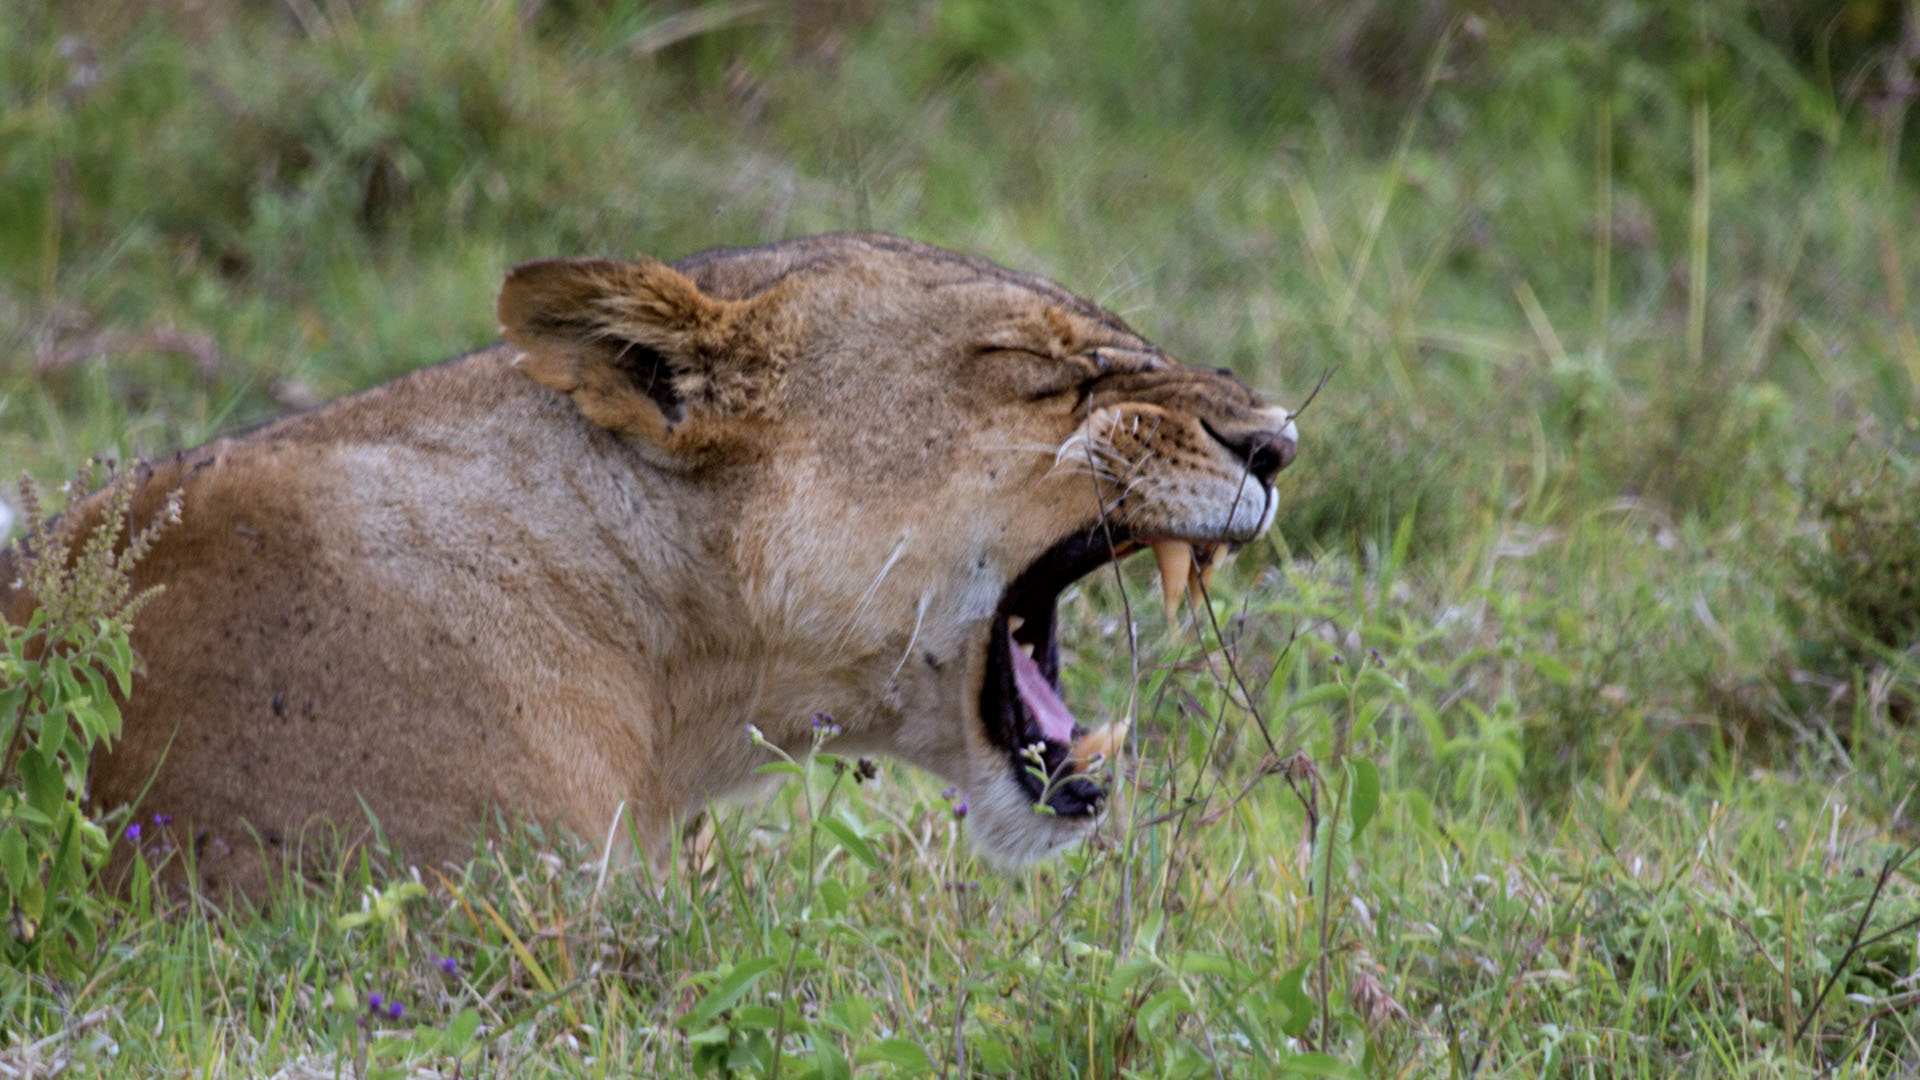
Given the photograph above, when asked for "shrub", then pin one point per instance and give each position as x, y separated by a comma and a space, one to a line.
1857, 606
56, 705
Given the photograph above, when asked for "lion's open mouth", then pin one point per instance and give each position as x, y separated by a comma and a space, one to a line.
1053, 757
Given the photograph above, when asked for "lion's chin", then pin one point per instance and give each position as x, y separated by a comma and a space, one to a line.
1011, 831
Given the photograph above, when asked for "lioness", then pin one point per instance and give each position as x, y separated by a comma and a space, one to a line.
845, 475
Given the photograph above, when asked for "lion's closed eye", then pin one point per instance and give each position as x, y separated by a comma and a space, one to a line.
1027, 374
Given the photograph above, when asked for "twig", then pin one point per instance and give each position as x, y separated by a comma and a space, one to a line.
1326, 920
1324, 376
1856, 942
813, 872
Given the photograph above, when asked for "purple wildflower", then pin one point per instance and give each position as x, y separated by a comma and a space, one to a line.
375, 1002
950, 793
394, 1011
960, 809
162, 820
449, 965
133, 832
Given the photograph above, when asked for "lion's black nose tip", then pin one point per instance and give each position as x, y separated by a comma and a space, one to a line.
1267, 452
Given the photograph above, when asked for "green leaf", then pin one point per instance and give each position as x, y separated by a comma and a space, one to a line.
1324, 694
13, 859
354, 920
1292, 991
1199, 963
751, 1053
830, 1064
11, 700
716, 1035
46, 785
1363, 792
80, 927
833, 897
993, 1055
58, 674
29, 816
1550, 666
1377, 680
851, 1014
1402, 543
1129, 971
760, 1017
121, 660
780, 768
852, 841
904, 1054
65, 873
103, 718
1155, 1009
53, 731
460, 1032
728, 990
1319, 1065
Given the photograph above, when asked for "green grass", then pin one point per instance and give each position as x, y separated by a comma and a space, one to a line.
1586, 560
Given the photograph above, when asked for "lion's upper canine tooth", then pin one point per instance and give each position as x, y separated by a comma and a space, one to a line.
1176, 563
1095, 747
1015, 622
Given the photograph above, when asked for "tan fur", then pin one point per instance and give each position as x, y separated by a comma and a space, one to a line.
537, 579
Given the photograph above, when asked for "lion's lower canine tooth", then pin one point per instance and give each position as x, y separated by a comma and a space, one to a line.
1099, 746
1176, 563
1205, 562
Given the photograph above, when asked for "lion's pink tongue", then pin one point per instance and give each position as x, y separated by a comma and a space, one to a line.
1045, 706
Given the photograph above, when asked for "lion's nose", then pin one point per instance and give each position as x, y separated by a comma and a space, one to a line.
1267, 452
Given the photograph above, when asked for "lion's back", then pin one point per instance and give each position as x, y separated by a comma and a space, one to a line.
337, 618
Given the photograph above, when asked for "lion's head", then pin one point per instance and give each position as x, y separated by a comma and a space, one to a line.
905, 455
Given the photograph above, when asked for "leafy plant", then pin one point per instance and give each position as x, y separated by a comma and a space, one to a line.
57, 704
1858, 601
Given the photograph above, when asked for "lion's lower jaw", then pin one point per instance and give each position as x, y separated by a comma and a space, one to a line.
1011, 832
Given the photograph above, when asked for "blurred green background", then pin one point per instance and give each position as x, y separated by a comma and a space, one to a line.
1616, 474
1579, 272
1636, 249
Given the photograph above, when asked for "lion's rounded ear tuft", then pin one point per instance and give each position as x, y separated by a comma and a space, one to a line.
620, 338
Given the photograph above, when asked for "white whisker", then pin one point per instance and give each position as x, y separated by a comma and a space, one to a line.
919, 616
860, 606
1110, 507
1022, 448
1082, 465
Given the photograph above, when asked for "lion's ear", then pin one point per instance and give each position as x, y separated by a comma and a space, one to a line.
627, 341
